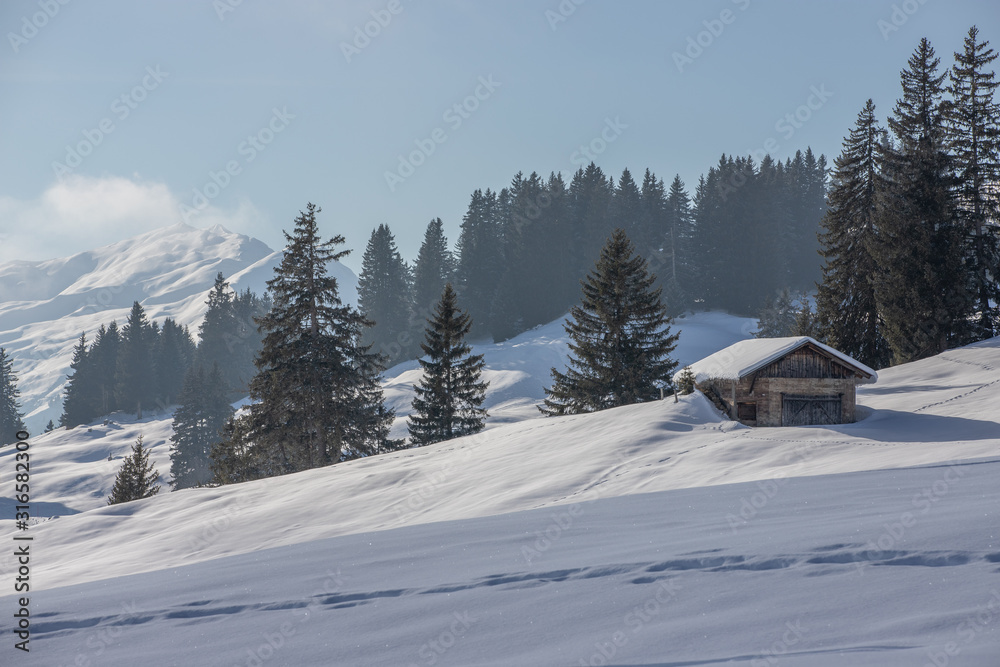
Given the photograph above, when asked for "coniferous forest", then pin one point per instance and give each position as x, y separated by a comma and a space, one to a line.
899, 242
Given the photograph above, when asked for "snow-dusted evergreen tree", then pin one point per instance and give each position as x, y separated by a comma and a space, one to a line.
922, 289
10, 408
134, 377
316, 383
384, 295
198, 424
686, 381
847, 309
449, 398
974, 136
136, 478
79, 405
620, 333
50, 427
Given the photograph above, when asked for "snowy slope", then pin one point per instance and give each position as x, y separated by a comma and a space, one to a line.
651, 579
685, 538
936, 410
44, 306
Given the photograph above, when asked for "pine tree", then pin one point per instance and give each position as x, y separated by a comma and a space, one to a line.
134, 378
777, 318
198, 424
234, 459
846, 306
432, 271
247, 341
672, 258
136, 478
79, 406
974, 136
627, 211
449, 397
591, 194
384, 295
218, 333
921, 289
104, 366
686, 381
314, 382
621, 340
480, 262
172, 360
10, 408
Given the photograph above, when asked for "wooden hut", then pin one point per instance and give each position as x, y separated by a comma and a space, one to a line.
782, 382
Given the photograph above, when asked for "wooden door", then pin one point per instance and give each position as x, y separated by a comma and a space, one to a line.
805, 410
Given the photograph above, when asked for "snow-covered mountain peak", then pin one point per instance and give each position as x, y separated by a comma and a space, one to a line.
46, 305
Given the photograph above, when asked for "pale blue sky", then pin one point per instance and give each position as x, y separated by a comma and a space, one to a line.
556, 85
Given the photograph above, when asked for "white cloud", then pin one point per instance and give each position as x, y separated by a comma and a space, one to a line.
80, 213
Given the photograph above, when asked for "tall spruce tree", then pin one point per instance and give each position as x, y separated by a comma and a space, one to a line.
480, 260
218, 333
449, 398
79, 405
974, 136
921, 289
247, 341
620, 333
672, 249
846, 304
104, 365
173, 356
384, 295
197, 427
432, 271
136, 478
134, 376
10, 408
316, 382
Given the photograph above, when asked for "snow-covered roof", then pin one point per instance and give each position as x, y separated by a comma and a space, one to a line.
743, 358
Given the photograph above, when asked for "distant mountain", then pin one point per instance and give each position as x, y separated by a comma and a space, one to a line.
44, 306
